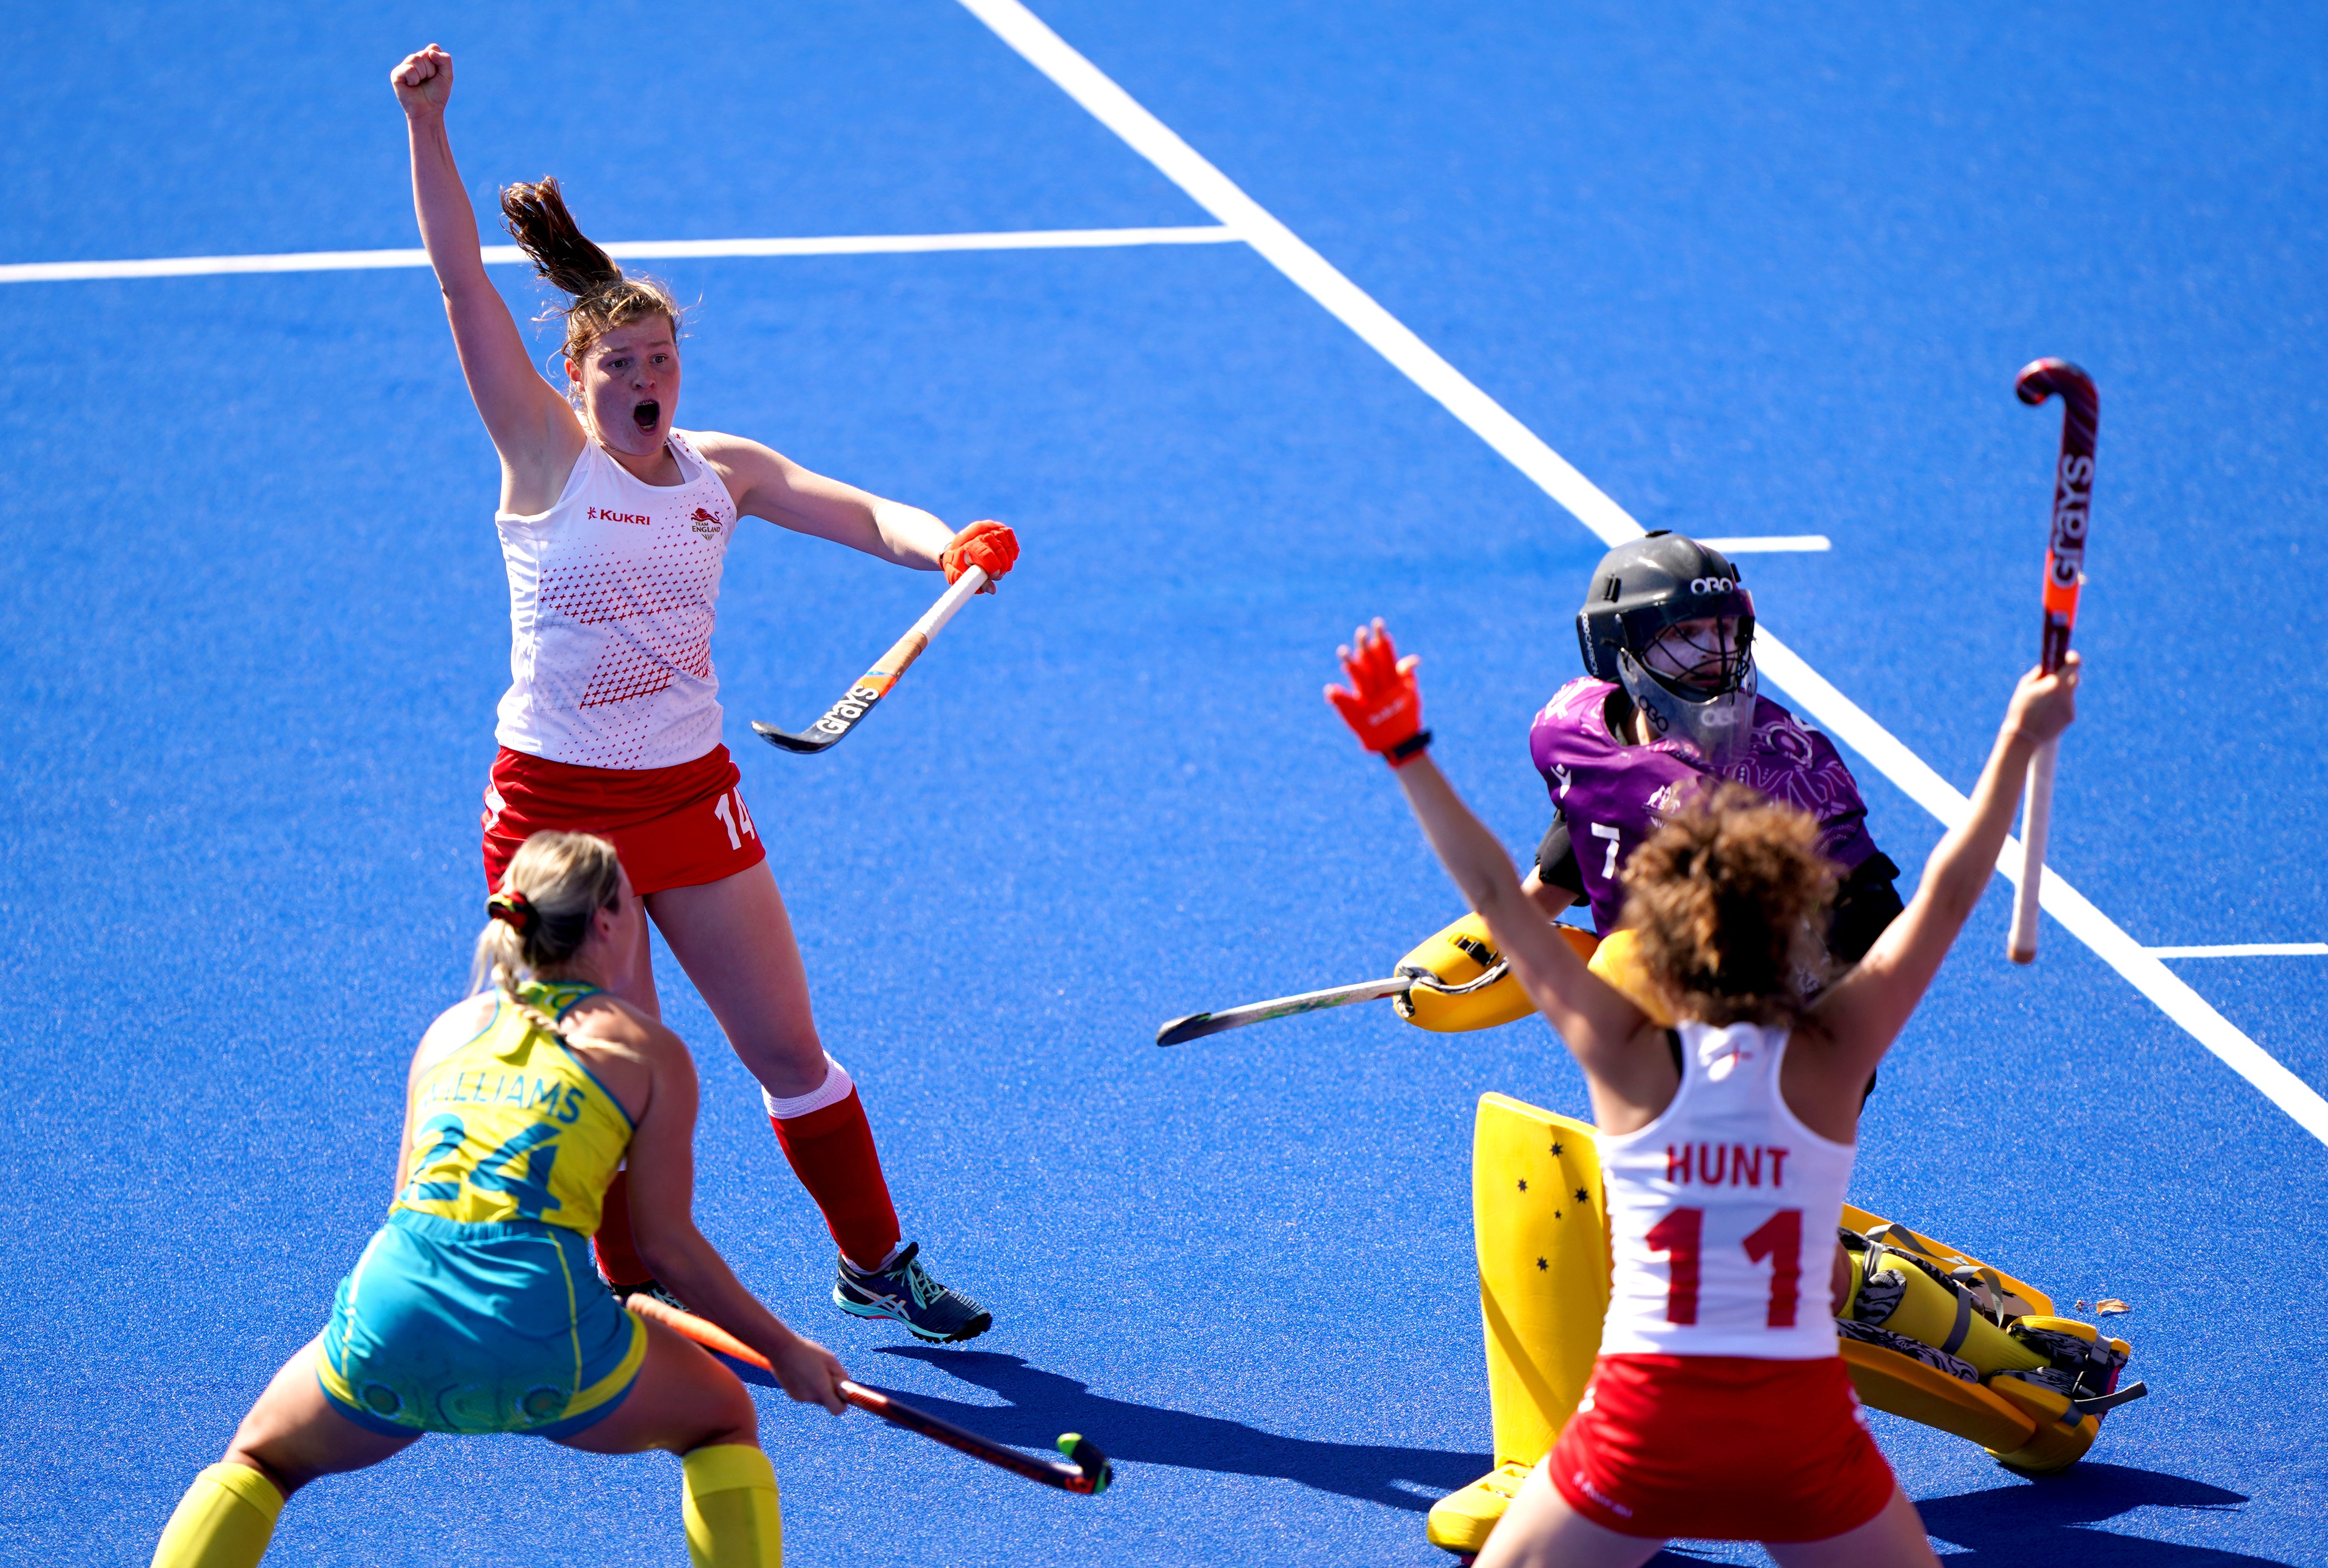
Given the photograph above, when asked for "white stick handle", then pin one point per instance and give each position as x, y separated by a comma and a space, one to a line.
952, 599
2036, 815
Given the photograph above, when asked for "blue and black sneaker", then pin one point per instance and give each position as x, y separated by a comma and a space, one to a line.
905, 1291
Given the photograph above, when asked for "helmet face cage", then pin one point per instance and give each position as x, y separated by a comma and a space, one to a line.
1667, 620
1706, 656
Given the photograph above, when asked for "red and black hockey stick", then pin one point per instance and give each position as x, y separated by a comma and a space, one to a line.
2065, 561
1085, 1470
859, 700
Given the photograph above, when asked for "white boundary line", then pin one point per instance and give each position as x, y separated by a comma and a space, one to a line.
2245, 949
1149, 137
1770, 543
622, 251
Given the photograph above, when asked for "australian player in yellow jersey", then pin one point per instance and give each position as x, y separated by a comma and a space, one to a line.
475, 1309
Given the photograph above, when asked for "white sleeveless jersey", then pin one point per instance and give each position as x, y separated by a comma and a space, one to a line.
612, 594
1721, 1213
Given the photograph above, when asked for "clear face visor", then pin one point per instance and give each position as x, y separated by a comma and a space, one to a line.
1695, 684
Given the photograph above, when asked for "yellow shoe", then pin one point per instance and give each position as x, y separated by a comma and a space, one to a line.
1461, 1521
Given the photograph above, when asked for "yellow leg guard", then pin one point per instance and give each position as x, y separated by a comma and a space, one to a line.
730, 1503
1544, 1291
1456, 956
224, 1521
1931, 1312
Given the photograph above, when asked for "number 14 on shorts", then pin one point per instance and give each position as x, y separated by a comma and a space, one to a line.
1779, 1238
735, 818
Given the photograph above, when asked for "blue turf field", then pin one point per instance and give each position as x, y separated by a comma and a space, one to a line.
1752, 268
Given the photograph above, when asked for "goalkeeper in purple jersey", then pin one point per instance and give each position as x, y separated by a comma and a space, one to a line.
1669, 700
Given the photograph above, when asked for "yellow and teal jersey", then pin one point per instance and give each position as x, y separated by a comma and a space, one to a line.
511, 1125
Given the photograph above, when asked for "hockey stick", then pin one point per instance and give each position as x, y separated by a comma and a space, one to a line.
1085, 1470
1197, 1025
861, 698
2065, 559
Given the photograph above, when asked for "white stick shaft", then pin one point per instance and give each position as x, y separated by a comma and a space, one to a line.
2036, 816
952, 599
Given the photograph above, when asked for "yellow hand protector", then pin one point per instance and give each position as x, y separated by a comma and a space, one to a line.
1457, 956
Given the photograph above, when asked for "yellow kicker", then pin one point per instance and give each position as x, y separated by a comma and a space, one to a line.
1458, 955
2020, 1425
1543, 1289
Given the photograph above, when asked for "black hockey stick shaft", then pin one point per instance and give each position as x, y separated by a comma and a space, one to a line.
2065, 560
865, 694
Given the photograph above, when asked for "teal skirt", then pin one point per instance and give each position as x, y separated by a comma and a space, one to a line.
477, 1328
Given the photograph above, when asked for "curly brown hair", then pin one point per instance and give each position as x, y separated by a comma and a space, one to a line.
604, 297
1729, 897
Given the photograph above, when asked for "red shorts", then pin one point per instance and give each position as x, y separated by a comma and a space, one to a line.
1721, 1448
673, 827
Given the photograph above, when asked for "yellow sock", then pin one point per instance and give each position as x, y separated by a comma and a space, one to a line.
224, 1521
1931, 1312
730, 1502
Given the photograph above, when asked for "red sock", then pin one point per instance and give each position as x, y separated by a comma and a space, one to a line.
618, 1255
832, 1153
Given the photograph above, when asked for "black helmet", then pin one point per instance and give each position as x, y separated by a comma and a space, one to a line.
1696, 688
1648, 584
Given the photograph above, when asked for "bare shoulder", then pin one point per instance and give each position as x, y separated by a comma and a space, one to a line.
732, 454
611, 1022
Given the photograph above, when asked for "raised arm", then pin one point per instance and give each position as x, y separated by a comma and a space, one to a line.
662, 1161
1601, 1027
533, 429
768, 485
1866, 1010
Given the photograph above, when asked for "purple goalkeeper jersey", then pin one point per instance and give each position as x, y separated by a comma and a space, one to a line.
1612, 795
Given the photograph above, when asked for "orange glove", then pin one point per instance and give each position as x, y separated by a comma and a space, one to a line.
986, 545
1384, 707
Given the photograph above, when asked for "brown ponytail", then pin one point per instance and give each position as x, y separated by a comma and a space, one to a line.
603, 298
1728, 897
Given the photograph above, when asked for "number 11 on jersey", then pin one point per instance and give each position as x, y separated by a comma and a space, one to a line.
1680, 1235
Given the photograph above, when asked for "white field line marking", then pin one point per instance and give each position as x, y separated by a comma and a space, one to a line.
622, 251
1770, 544
1844, 719
2245, 949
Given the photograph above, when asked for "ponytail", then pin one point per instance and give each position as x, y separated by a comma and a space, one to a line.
536, 217
540, 917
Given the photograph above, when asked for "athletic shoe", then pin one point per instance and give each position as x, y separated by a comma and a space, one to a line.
1461, 1521
905, 1291
646, 1288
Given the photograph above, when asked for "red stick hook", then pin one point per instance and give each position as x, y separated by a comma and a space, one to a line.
2073, 484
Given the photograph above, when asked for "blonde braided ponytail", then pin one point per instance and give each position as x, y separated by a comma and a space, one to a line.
539, 917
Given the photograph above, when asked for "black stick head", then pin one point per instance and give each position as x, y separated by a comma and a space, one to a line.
1087, 1458
786, 740
1180, 1031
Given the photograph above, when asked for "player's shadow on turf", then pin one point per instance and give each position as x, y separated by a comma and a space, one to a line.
1043, 1405
2044, 1523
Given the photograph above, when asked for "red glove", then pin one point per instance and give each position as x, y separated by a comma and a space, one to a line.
1384, 707
987, 545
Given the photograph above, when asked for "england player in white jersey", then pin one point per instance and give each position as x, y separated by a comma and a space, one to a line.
614, 526
1719, 1406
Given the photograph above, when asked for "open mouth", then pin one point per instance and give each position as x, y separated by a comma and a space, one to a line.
647, 415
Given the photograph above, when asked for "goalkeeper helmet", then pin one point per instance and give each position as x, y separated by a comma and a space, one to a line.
1667, 619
